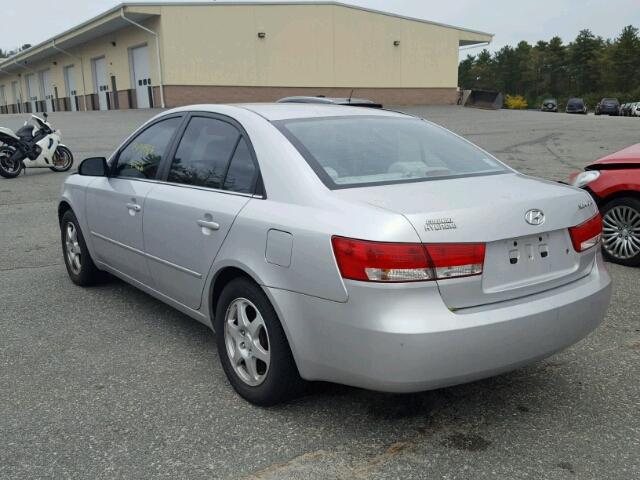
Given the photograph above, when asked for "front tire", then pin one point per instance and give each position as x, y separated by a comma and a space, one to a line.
8, 168
62, 159
621, 231
77, 259
253, 347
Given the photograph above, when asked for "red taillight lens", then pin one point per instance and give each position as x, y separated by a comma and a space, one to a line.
587, 234
381, 262
405, 262
456, 260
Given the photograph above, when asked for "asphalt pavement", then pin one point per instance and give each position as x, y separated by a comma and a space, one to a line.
107, 382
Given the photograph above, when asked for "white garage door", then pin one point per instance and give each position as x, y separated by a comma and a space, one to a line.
17, 98
70, 86
100, 81
47, 90
32, 91
141, 75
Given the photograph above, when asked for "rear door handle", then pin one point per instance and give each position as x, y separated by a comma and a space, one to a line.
209, 225
134, 206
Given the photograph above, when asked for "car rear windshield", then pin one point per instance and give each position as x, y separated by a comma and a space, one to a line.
575, 102
374, 150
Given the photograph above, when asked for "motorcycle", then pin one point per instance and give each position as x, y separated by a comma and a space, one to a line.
31, 146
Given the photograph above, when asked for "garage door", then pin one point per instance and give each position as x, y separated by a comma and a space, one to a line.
70, 86
32, 91
141, 75
17, 98
100, 81
47, 90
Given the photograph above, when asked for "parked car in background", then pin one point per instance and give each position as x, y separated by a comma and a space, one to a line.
576, 105
634, 111
624, 109
614, 183
549, 105
608, 106
353, 245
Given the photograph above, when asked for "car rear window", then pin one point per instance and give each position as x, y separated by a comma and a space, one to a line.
374, 150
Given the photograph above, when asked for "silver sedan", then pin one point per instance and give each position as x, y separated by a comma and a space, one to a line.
342, 244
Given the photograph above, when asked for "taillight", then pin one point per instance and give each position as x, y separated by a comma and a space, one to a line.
406, 262
456, 259
587, 234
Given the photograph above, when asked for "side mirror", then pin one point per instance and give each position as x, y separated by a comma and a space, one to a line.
94, 167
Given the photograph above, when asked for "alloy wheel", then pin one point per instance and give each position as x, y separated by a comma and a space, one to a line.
72, 248
621, 232
247, 341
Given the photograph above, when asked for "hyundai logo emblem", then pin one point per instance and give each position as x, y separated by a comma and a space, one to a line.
534, 217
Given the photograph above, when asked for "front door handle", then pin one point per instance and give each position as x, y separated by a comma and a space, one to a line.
133, 207
208, 225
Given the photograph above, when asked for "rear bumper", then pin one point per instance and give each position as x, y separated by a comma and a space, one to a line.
402, 338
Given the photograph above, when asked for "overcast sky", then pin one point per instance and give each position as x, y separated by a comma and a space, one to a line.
510, 20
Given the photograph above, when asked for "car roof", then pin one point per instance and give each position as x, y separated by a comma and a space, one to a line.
287, 111
347, 101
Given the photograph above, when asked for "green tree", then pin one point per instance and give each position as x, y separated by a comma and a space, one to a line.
584, 52
625, 59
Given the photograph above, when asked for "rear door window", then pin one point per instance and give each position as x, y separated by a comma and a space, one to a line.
204, 153
242, 172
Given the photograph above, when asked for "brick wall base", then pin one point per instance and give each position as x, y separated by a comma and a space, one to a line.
178, 95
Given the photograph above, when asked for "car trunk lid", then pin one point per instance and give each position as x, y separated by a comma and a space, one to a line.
521, 258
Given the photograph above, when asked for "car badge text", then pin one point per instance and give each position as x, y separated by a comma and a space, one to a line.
585, 204
534, 217
436, 224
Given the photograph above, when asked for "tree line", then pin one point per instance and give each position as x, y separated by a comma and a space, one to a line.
589, 67
10, 53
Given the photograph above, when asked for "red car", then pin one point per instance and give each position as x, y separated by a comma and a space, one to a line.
614, 184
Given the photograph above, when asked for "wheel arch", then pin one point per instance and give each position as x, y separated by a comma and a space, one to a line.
619, 194
63, 207
221, 279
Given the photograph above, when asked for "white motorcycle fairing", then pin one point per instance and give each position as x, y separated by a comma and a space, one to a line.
48, 144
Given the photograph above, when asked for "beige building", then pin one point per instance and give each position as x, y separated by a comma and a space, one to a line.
141, 55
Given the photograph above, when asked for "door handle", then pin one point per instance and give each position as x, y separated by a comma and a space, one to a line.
134, 206
208, 225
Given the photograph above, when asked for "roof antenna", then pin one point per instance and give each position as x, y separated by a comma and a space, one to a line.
351, 94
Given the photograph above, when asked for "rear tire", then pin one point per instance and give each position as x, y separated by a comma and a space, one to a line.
621, 234
77, 259
8, 170
65, 157
253, 347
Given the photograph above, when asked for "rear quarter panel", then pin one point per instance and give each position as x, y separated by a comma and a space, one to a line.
312, 269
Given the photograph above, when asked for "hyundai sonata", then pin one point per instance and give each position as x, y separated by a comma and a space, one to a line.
344, 244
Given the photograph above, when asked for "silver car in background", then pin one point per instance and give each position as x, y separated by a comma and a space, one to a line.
351, 245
